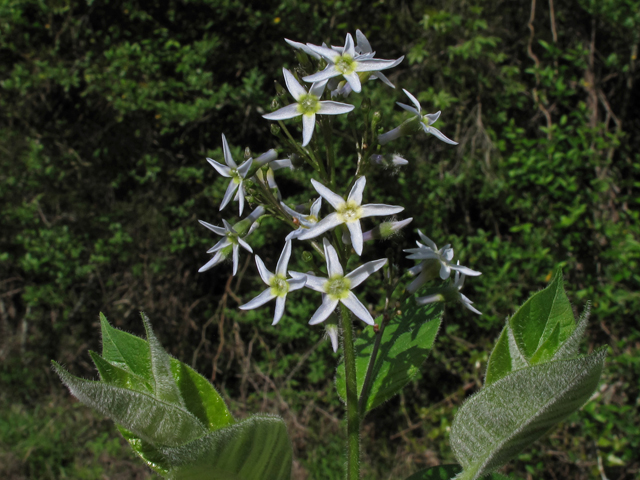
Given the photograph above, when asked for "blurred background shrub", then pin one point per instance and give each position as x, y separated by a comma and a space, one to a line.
108, 110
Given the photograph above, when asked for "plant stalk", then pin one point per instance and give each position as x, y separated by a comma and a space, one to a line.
353, 415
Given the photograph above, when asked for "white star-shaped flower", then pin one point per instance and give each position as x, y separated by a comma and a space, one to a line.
348, 63
279, 284
434, 258
363, 47
349, 212
337, 288
450, 293
236, 173
424, 122
231, 239
305, 221
307, 104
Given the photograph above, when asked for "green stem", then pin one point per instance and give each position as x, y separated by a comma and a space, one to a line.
328, 142
305, 154
353, 416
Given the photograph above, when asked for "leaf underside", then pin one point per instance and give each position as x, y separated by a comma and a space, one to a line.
447, 472
504, 417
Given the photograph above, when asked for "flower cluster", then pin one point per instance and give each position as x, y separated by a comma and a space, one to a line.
326, 72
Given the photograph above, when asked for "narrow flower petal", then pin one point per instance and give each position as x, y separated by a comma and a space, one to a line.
363, 43
419, 254
355, 230
334, 199
327, 307
240, 198
315, 207
317, 88
349, 47
220, 245
389, 136
414, 100
354, 81
361, 273
265, 274
279, 164
445, 271
222, 169
308, 126
465, 270
217, 258
432, 117
328, 107
374, 65
217, 230
245, 167
325, 52
258, 301
283, 261
297, 281
290, 111
333, 262
303, 47
358, 309
438, 134
383, 78
227, 153
295, 89
434, 298
327, 223
245, 245
325, 74
332, 332
279, 309
355, 194
228, 195
408, 108
467, 303
315, 283
378, 210
430, 243
266, 157
236, 258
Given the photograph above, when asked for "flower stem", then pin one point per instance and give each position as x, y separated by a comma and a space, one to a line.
328, 141
353, 416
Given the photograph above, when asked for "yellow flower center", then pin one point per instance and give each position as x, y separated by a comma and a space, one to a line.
279, 286
345, 64
338, 287
308, 104
349, 212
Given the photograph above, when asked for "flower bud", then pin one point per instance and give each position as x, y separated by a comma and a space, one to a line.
307, 257
275, 129
247, 153
429, 270
275, 104
279, 88
408, 127
332, 331
365, 105
375, 120
248, 184
385, 230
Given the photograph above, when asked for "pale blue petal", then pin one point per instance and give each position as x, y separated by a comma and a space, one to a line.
228, 195
279, 309
355, 231
222, 169
308, 126
227, 153
327, 223
333, 262
328, 107
378, 210
335, 200
290, 111
355, 194
283, 261
358, 309
361, 273
326, 309
258, 301
295, 89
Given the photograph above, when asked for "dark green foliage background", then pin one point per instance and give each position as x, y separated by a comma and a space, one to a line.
108, 110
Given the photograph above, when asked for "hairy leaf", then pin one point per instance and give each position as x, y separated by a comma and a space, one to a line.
147, 417
114, 375
126, 350
254, 449
504, 417
447, 472
406, 343
534, 322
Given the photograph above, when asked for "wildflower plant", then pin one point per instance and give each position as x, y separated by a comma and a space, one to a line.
175, 420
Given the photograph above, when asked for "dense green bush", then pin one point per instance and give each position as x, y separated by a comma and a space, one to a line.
108, 110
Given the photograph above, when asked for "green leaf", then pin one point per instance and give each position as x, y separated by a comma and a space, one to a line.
534, 322
125, 350
254, 449
200, 397
146, 451
147, 417
166, 388
406, 343
570, 347
500, 363
506, 416
447, 472
119, 377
